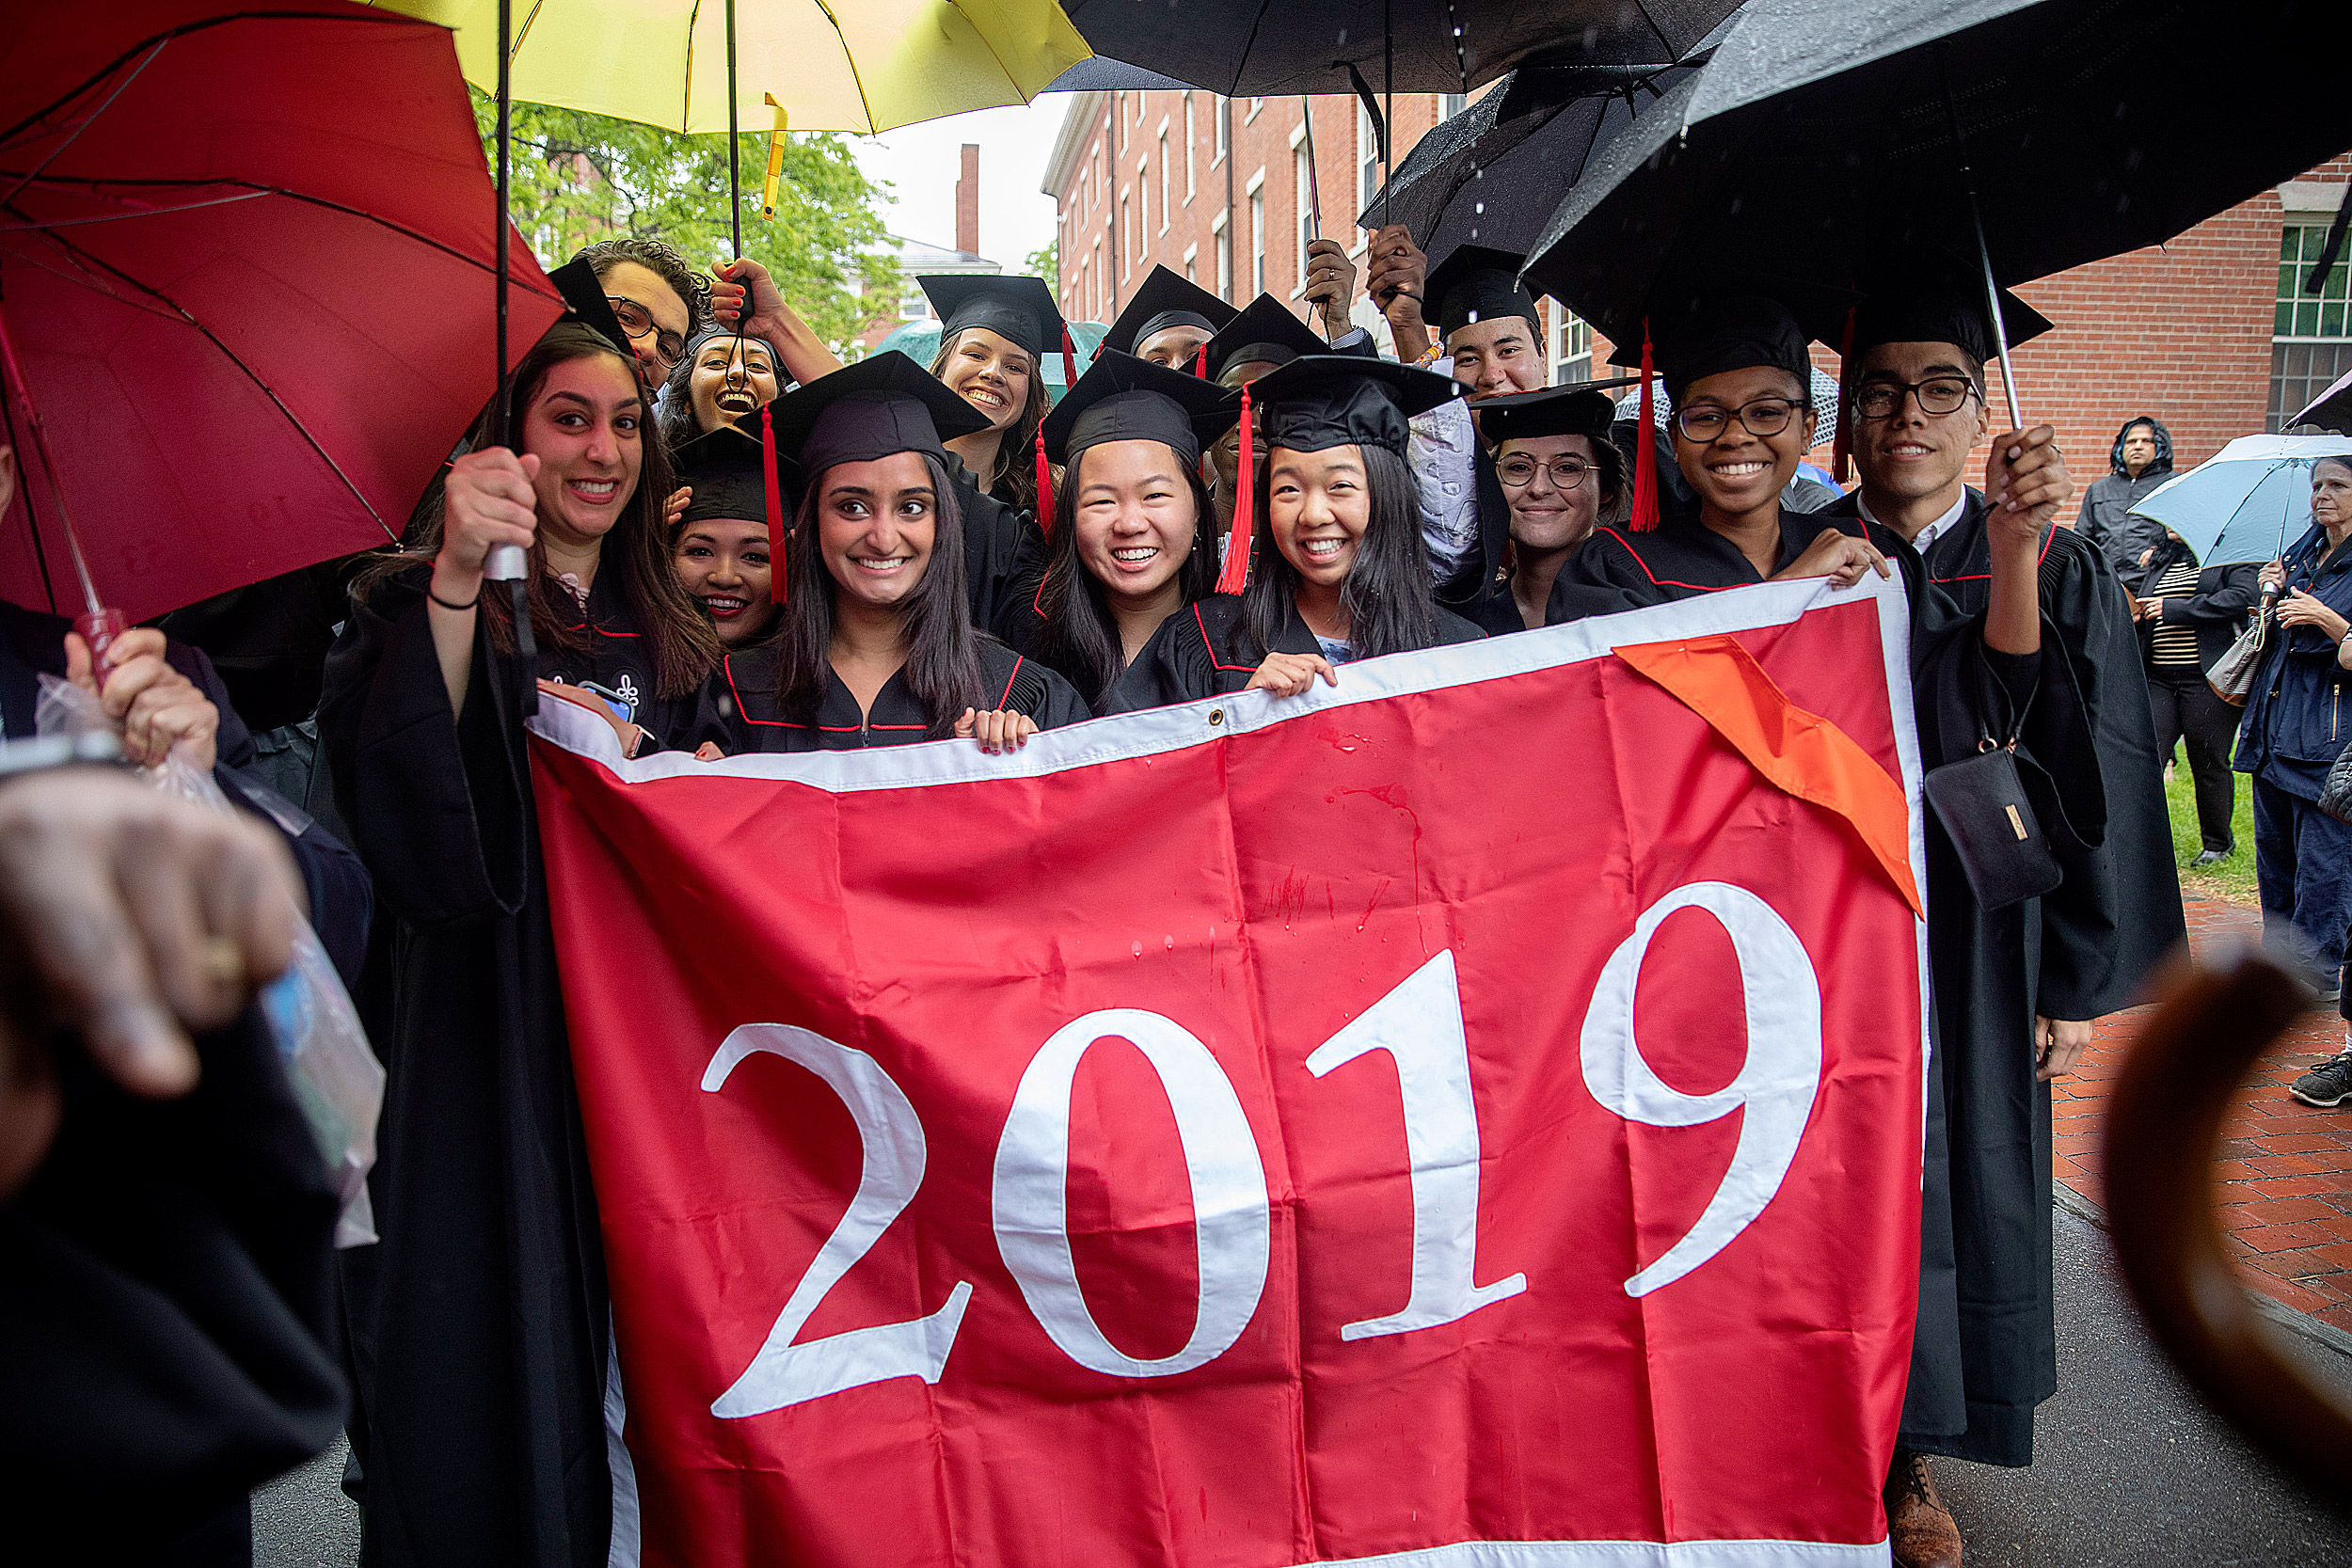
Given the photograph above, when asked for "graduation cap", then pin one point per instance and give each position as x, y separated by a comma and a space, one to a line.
1586, 409
1019, 309
728, 471
1942, 302
1475, 283
1165, 300
1262, 332
1321, 401
1123, 398
584, 294
883, 404
1697, 327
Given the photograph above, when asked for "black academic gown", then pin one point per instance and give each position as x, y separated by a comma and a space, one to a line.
1001, 542
740, 711
1202, 651
1985, 1352
166, 1307
32, 645
479, 1324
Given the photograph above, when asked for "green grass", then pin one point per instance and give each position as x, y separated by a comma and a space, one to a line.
2232, 878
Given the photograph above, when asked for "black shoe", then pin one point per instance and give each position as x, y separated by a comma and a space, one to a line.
2211, 857
2327, 1086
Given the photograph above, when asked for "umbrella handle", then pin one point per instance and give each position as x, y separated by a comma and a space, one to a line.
505, 564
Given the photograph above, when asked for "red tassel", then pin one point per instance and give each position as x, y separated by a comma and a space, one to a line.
1044, 488
1201, 361
1236, 576
1645, 450
1841, 444
776, 585
1068, 364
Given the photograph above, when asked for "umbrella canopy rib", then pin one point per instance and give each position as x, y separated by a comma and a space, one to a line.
231, 354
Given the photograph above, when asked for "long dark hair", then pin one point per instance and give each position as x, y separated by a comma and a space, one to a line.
1388, 599
1015, 469
679, 641
943, 667
1079, 636
677, 418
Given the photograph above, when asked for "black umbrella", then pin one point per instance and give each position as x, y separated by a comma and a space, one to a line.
1260, 48
1483, 177
1833, 145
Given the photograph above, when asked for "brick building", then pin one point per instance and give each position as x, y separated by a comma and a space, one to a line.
2207, 333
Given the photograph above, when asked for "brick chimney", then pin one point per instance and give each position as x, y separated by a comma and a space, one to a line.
968, 201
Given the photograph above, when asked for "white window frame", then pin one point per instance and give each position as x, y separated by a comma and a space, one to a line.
1143, 210
1223, 239
1254, 193
1256, 107
1165, 204
1192, 142
1565, 329
1126, 237
1192, 255
1221, 129
1367, 161
1303, 216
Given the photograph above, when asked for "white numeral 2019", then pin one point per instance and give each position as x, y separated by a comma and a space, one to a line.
1774, 1088
1419, 1023
892, 1158
1420, 1026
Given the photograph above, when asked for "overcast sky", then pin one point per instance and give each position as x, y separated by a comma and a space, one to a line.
921, 163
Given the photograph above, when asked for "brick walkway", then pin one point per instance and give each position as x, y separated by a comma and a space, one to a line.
2285, 1169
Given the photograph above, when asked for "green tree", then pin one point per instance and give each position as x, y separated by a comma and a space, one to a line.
578, 176
1046, 263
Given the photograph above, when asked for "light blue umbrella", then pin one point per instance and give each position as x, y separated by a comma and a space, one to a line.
2248, 502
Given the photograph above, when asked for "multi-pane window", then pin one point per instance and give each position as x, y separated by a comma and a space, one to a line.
1143, 210
1452, 103
1303, 181
2311, 344
1224, 259
1367, 159
1192, 137
1164, 202
1571, 337
1224, 119
1126, 237
1257, 240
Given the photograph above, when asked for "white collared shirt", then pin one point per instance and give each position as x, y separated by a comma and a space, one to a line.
1925, 537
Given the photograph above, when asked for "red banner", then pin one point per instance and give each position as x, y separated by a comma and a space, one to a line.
1468, 1116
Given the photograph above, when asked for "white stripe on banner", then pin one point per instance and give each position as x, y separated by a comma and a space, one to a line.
1629, 1554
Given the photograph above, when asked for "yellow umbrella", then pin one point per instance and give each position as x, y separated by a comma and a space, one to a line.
848, 65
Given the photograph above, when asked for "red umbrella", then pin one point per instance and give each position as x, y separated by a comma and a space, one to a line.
244, 279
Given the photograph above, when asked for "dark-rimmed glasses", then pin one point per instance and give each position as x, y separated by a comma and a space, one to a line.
638, 322
1518, 471
1763, 416
1937, 394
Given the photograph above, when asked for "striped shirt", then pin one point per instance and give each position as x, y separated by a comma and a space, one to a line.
2174, 643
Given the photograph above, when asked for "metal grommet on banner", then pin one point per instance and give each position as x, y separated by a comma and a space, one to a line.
1216, 716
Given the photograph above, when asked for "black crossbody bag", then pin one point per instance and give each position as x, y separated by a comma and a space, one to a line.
1986, 805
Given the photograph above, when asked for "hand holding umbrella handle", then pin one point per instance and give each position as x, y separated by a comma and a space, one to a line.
99, 629
505, 564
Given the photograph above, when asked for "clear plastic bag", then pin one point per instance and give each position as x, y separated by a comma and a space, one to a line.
333, 1070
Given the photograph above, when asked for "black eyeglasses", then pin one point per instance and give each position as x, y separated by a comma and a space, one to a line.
638, 322
1764, 416
1937, 394
1519, 471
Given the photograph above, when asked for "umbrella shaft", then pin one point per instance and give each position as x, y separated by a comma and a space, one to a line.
735, 181
506, 126
23, 391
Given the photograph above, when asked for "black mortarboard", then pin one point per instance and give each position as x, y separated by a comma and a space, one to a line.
1019, 309
1334, 400
1477, 283
1938, 310
727, 467
1123, 398
1728, 332
1163, 301
1583, 410
583, 291
882, 404
1263, 331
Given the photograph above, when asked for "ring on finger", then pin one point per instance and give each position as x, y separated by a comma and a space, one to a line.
222, 960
